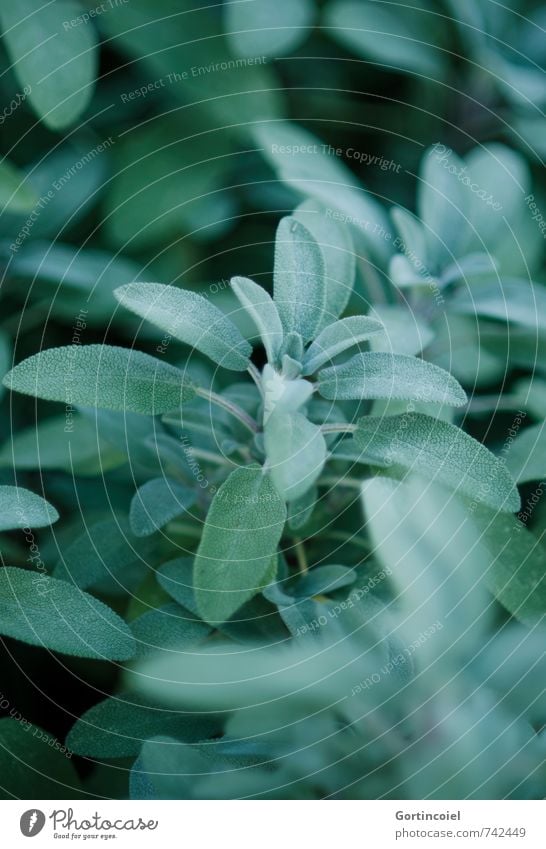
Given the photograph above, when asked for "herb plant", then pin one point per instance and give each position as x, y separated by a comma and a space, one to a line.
277, 535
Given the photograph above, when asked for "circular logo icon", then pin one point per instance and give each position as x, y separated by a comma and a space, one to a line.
32, 822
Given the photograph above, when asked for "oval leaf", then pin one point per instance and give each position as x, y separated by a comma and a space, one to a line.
382, 375
243, 528
261, 308
438, 451
298, 279
190, 318
296, 453
20, 508
46, 612
337, 338
336, 244
102, 376
156, 503
56, 61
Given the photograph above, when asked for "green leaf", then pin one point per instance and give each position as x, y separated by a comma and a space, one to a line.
239, 542
298, 279
526, 459
156, 503
168, 627
102, 376
442, 204
46, 612
57, 62
438, 451
337, 338
296, 453
513, 562
73, 445
505, 299
191, 319
261, 308
261, 29
397, 38
404, 332
117, 727
302, 162
176, 578
380, 375
336, 244
167, 183
16, 195
105, 554
65, 274
37, 764
20, 508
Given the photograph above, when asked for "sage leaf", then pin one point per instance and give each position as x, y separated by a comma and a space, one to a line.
298, 279
102, 376
117, 727
337, 247
438, 451
21, 508
397, 376
46, 612
191, 319
296, 453
168, 627
58, 64
261, 308
36, 763
239, 542
157, 502
337, 338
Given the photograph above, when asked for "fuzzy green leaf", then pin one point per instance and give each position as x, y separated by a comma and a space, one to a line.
381, 375
336, 244
102, 376
438, 451
168, 627
296, 453
191, 319
156, 503
299, 283
21, 508
243, 528
117, 727
46, 612
261, 308
337, 338
36, 763
57, 62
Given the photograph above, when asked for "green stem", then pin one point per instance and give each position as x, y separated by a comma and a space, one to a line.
340, 427
299, 548
256, 377
232, 408
210, 457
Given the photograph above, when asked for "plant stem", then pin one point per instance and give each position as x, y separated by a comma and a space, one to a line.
299, 548
232, 408
256, 377
340, 427
210, 457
